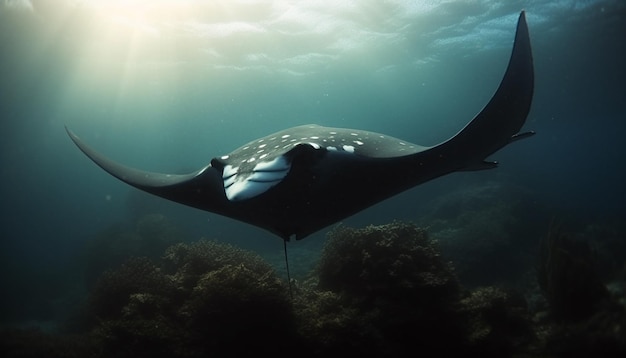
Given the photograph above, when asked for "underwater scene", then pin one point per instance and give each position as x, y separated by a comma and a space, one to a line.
400, 227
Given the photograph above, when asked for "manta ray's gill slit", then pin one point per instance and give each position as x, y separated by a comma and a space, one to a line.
229, 171
254, 184
277, 164
229, 182
247, 183
267, 177
264, 179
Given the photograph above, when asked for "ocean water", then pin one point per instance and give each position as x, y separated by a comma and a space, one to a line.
166, 87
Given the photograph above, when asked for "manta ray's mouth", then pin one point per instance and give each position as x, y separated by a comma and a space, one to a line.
241, 185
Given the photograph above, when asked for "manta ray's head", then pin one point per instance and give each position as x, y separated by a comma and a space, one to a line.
261, 164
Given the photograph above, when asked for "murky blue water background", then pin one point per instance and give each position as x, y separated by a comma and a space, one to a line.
168, 89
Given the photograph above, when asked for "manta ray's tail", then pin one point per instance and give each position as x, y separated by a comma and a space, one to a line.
499, 123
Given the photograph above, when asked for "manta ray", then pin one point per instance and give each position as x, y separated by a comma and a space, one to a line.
302, 179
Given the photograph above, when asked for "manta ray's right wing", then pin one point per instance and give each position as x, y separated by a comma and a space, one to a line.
500, 121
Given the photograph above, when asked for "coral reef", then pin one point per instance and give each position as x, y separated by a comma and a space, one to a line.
567, 276
585, 318
603, 334
385, 291
394, 260
376, 291
498, 322
381, 290
489, 230
203, 298
115, 288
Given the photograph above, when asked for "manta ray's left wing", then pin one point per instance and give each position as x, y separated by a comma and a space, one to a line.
202, 189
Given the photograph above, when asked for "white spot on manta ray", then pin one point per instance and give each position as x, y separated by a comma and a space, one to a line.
348, 148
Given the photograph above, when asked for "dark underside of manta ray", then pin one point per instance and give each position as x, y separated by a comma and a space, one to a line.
302, 179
